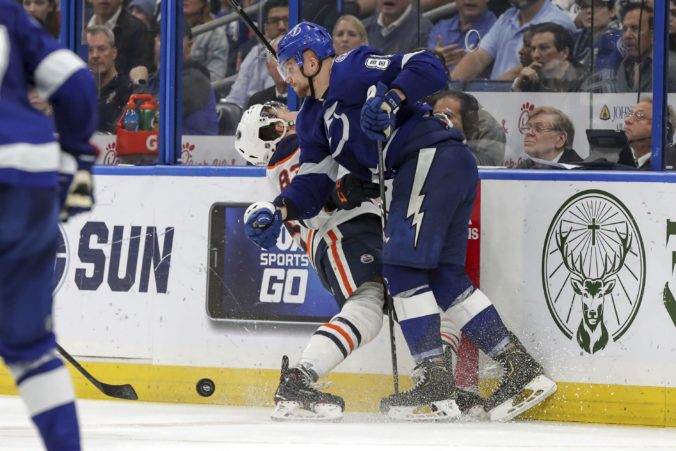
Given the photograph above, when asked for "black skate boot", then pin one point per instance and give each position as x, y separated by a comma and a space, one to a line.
297, 398
431, 398
523, 384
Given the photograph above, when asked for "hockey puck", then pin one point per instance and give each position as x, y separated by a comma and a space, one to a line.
205, 387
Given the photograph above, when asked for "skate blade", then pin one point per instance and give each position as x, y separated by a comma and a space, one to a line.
532, 394
474, 414
293, 411
446, 410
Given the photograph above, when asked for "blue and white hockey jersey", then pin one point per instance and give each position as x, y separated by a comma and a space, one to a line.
29, 151
331, 135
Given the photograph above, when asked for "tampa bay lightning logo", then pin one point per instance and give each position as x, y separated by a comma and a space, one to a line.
295, 31
61, 262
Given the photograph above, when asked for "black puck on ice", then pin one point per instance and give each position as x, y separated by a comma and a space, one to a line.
205, 387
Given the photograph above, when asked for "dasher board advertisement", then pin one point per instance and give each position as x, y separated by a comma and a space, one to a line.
248, 283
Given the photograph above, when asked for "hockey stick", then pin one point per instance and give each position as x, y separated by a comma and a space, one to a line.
252, 26
125, 391
389, 303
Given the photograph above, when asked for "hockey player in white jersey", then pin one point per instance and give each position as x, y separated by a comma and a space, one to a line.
33, 166
344, 244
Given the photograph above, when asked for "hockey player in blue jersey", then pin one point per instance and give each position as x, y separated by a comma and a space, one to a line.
344, 243
40, 179
434, 186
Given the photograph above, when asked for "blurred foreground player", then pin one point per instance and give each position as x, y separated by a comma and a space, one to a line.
40, 180
434, 187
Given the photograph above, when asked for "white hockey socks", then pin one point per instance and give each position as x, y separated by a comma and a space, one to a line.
358, 322
47, 391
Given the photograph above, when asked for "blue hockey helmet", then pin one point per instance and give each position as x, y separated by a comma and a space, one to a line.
302, 37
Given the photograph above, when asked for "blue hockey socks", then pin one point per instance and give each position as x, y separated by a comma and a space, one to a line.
487, 331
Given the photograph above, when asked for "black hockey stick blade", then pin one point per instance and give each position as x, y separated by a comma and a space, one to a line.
125, 391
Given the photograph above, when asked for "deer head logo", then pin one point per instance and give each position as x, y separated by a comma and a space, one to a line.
592, 334
593, 269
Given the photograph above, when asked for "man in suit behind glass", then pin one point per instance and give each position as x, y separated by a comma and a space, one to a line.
548, 136
638, 126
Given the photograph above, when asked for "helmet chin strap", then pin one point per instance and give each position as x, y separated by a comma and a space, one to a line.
310, 78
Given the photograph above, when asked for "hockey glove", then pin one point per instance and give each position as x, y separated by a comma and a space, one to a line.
378, 115
350, 192
262, 224
76, 185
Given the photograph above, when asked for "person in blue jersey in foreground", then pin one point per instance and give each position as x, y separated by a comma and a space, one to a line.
434, 186
41, 180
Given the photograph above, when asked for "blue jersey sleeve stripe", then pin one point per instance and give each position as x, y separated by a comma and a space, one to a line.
54, 70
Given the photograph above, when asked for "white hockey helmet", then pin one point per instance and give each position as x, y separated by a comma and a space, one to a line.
248, 141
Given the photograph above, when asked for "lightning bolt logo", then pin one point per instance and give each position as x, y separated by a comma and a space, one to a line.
425, 157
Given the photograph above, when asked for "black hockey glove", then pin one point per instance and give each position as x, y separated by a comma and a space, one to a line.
350, 192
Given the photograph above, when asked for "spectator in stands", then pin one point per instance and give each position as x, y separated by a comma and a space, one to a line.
549, 137
348, 33
368, 7
277, 92
638, 126
525, 56
253, 74
569, 7
143, 10
501, 45
397, 27
603, 38
209, 48
198, 104
635, 72
47, 13
552, 69
240, 39
326, 13
114, 88
461, 34
134, 44
483, 134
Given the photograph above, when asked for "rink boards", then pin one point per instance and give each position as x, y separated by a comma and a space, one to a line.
136, 303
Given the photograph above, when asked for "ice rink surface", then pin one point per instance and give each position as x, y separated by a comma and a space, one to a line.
139, 426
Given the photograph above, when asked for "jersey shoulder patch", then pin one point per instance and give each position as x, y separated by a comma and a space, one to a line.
377, 62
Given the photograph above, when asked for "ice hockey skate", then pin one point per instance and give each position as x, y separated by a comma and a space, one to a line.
297, 399
522, 386
432, 398
471, 405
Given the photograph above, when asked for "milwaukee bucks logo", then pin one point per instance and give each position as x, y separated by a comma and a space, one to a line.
593, 269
